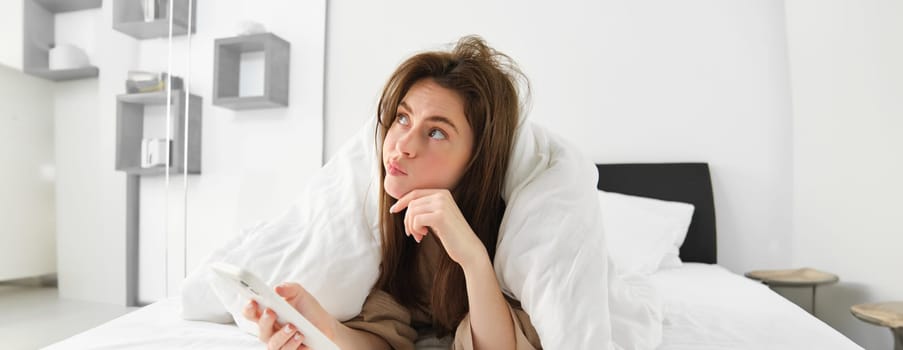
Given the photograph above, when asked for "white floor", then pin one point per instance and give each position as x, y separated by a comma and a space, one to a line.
34, 317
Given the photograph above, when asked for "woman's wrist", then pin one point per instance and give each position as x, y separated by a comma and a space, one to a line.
344, 336
490, 321
477, 263
350, 338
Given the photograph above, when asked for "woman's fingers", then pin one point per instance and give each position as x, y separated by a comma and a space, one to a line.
250, 312
266, 325
295, 295
279, 336
421, 223
283, 337
403, 202
273, 333
418, 208
294, 341
407, 221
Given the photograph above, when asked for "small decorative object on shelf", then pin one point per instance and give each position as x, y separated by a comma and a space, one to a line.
138, 155
227, 65
249, 27
139, 81
150, 9
154, 152
41, 56
66, 56
147, 19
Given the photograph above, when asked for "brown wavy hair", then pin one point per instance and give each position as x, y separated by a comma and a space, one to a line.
487, 81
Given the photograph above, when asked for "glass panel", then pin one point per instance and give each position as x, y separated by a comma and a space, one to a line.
260, 68
173, 114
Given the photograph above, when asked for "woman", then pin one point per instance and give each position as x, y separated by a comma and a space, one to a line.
447, 123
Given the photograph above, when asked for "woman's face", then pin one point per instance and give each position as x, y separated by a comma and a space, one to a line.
429, 143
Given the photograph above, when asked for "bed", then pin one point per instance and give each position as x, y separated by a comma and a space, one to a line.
705, 305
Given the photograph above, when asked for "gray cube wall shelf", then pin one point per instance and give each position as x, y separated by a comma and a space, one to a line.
64, 74
57, 6
227, 70
130, 132
128, 18
38, 29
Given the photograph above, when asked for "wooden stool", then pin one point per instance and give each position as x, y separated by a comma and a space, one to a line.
804, 277
889, 314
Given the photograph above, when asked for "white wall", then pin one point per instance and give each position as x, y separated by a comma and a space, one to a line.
653, 81
27, 239
847, 82
89, 196
90, 193
11, 16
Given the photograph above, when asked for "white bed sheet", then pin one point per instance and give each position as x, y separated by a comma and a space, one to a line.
705, 307
160, 326
708, 307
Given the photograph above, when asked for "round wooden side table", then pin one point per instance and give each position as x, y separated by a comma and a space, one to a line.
805, 277
887, 314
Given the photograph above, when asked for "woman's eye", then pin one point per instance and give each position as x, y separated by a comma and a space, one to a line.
402, 119
437, 134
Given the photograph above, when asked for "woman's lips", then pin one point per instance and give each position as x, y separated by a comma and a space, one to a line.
394, 170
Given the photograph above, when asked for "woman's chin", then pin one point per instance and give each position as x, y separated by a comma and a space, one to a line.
393, 190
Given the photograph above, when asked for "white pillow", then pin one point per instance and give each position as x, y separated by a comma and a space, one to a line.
643, 234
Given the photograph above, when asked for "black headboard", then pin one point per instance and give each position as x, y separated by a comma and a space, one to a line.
681, 182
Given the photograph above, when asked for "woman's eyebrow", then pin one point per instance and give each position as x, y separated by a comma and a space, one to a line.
435, 118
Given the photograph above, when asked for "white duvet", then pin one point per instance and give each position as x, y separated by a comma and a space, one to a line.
551, 253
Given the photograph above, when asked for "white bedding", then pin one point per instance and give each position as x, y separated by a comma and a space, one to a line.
705, 306
708, 307
160, 326
329, 243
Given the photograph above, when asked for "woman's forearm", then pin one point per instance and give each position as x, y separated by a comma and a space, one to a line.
350, 338
490, 321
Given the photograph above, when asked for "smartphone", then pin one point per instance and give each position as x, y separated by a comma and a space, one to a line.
253, 288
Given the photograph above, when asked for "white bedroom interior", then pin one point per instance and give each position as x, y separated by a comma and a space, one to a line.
794, 104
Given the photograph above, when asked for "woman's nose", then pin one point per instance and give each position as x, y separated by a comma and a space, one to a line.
407, 144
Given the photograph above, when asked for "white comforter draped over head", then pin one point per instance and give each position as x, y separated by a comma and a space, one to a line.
551, 253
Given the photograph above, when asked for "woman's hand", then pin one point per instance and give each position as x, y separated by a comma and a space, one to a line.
286, 336
435, 210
